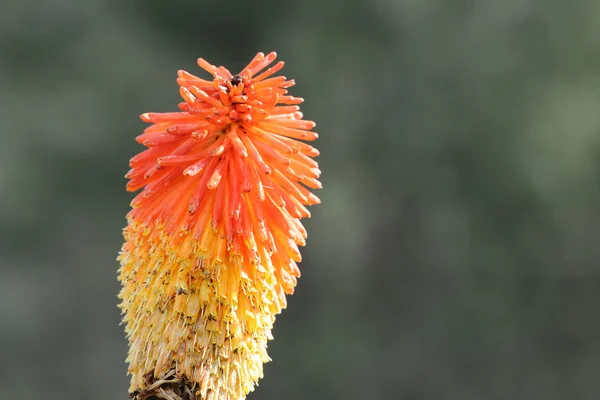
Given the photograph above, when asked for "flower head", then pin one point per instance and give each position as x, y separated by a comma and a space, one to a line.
212, 242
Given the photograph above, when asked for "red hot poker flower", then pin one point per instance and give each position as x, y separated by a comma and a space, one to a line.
212, 240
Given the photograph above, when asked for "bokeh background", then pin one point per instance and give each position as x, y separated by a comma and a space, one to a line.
455, 254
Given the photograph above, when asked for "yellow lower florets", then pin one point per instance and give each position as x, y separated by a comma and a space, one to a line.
207, 321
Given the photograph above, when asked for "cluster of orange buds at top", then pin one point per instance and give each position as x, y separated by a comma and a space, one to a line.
212, 240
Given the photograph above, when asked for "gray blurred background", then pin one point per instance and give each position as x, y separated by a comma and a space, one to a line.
455, 254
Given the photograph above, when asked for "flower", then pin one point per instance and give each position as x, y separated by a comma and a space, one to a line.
212, 240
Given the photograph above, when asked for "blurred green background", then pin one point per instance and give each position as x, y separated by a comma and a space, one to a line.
455, 254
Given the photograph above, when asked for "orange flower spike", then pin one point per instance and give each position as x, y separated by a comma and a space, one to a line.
212, 240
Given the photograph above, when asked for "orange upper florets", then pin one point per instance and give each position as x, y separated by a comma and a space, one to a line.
229, 165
